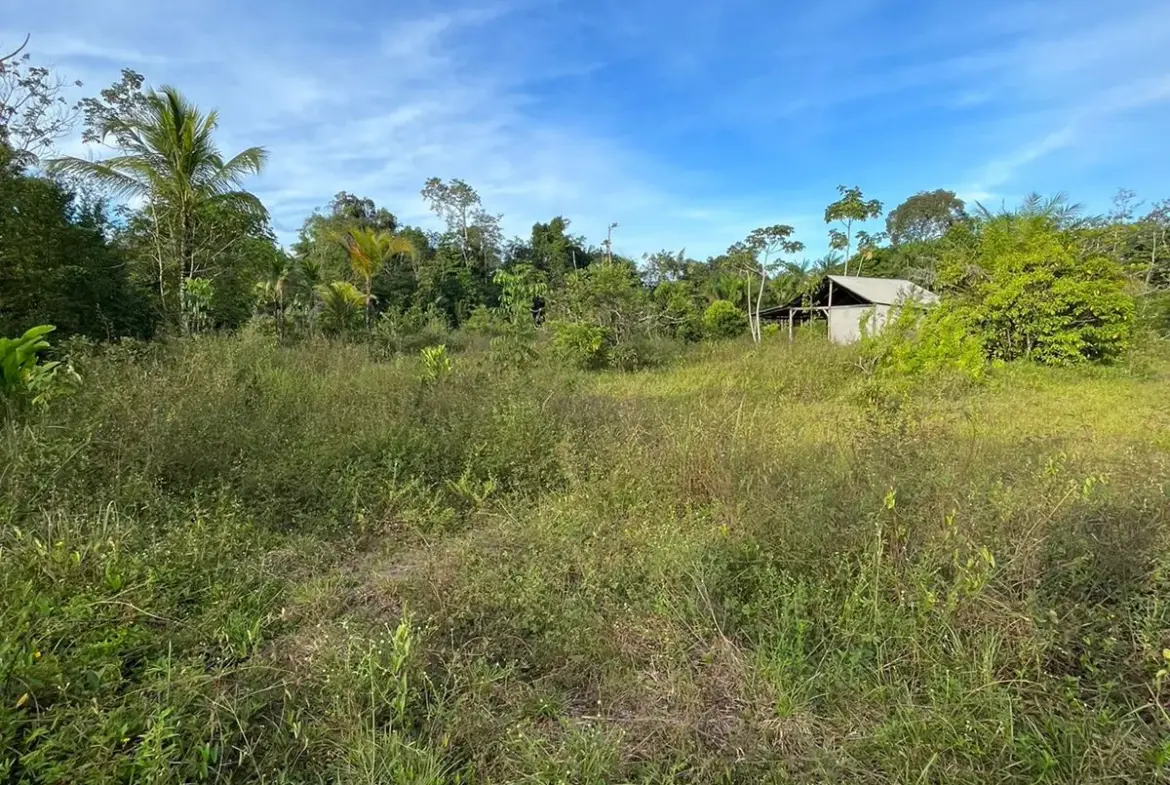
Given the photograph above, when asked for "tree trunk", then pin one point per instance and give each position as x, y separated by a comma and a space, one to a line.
280, 316
760, 300
186, 257
751, 327
369, 299
1153, 260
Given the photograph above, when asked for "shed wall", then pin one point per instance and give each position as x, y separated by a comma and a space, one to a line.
845, 321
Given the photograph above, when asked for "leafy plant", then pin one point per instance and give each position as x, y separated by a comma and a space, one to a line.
913, 342
581, 345
723, 320
436, 363
341, 306
1032, 292
168, 157
521, 288
197, 294
369, 251
23, 376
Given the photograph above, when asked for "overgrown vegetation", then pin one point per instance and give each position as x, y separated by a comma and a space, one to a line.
408, 506
230, 561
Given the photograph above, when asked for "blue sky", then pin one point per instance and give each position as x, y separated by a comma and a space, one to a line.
688, 124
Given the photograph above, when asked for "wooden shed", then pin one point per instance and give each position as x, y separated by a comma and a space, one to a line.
844, 300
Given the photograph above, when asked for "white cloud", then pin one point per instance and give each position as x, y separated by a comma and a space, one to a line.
541, 107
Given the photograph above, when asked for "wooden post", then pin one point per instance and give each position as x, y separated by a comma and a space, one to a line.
790, 313
829, 313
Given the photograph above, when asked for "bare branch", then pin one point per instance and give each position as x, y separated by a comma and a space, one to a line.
16, 51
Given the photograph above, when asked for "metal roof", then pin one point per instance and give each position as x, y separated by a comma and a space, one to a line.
884, 291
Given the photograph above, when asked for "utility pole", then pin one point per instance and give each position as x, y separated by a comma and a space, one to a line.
609, 242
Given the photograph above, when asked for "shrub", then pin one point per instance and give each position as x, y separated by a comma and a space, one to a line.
1041, 296
435, 362
640, 352
723, 320
581, 345
483, 321
410, 332
341, 307
24, 377
912, 342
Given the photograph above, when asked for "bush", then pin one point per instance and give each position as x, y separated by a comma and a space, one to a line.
1041, 296
23, 374
723, 320
581, 345
641, 352
484, 321
913, 343
409, 332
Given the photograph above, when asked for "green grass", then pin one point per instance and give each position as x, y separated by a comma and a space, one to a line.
228, 562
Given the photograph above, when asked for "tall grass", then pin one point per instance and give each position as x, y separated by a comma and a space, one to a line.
227, 561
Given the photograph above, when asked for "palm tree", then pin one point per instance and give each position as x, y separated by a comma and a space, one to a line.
272, 288
169, 159
340, 301
369, 250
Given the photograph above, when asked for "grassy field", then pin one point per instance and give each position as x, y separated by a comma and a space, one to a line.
228, 562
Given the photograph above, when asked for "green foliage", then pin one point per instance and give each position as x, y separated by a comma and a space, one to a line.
723, 320
369, 251
435, 363
23, 375
1041, 297
915, 342
925, 216
168, 157
582, 345
679, 310
608, 295
342, 305
411, 331
851, 208
521, 288
195, 300
226, 561
57, 265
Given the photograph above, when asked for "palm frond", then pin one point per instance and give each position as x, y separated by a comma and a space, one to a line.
119, 184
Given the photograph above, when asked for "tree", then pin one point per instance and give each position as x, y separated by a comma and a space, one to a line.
167, 156
369, 250
57, 263
1034, 293
358, 211
849, 209
925, 216
723, 320
340, 306
664, 266
33, 109
555, 251
273, 287
1154, 230
758, 255
458, 204
522, 287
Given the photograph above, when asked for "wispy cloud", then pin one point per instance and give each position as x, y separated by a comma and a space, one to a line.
689, 125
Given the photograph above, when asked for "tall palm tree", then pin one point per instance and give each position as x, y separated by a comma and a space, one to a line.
274, 285
369, 250
168, 158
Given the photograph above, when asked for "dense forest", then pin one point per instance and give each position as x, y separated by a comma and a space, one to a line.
156, 236
394, 504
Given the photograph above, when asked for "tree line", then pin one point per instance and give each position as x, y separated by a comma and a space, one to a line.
159, 236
